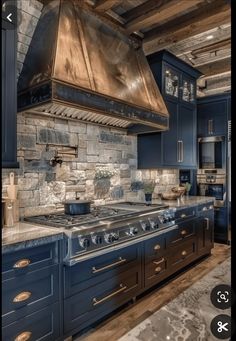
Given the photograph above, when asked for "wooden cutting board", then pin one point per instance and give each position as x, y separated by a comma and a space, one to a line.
12, 189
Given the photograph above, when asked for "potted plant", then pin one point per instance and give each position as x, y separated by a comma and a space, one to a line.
148, 188
187, 186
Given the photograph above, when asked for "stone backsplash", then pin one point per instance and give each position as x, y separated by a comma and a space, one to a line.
84, 149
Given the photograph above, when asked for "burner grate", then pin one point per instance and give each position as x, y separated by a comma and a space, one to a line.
68, 221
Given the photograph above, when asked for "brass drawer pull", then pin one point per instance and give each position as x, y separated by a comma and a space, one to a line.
183, 215
157, 247
22, 263
184, 253
96, 301
183, 232
159, 262
120, 261
23, 296
158, 269
23, 336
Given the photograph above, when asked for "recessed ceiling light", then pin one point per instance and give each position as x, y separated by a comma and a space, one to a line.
209, 37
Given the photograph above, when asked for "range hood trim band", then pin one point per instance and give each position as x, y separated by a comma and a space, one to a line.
54, 91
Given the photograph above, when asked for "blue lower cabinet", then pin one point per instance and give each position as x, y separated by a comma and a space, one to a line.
27, 293
90, 305
44, 325
221, 224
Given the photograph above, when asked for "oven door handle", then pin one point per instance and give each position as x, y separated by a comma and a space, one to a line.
120, 261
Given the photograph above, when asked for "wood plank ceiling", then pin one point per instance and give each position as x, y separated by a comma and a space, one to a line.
197, 31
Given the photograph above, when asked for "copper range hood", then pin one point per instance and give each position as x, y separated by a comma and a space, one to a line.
80, 67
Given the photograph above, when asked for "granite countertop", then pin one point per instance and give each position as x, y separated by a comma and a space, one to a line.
186, 201
24, 235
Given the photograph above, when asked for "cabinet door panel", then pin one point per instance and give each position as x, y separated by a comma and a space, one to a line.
187, 134
96, 301
212, 118
43, 325
169, 138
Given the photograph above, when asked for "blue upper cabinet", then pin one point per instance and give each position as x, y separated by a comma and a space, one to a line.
213, 112
175, 148
8, 113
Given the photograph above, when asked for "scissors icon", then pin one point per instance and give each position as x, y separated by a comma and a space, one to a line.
222, 326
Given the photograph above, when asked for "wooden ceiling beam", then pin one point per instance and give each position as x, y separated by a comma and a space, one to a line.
105, 5
198, 21
152, 12
214, 68
220, 45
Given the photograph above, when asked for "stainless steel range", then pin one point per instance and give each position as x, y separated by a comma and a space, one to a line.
106, 226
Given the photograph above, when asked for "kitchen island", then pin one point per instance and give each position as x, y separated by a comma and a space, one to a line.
37, 280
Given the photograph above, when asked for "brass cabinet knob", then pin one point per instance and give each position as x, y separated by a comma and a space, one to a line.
23, 336
204, 208
158, 269
22, 263
211, 207
183, 232
157, 247
184, 253
23, 296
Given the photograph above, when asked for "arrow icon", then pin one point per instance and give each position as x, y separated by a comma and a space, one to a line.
9, 17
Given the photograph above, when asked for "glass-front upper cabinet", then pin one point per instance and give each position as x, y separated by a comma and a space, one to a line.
171, 82
188, 90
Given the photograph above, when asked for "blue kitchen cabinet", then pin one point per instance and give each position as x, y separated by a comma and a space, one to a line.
212, 115
9, 100
169, 139
175, 148
187, 136
31, 293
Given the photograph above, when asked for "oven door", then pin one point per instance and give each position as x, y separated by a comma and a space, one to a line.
211, 152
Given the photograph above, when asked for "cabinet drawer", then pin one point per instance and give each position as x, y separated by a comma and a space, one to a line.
155, 271
97, 301
185, 230
23, 261
182, 254
29, 293
99, 269
185, 213
155, 247
43, 325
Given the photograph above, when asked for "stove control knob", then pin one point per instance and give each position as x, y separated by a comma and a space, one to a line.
133, 231
115, 236
154, 224
84, 242
145, 226
97, 239
110, 238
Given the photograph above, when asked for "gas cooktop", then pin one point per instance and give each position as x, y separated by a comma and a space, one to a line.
69, 221
111, 212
